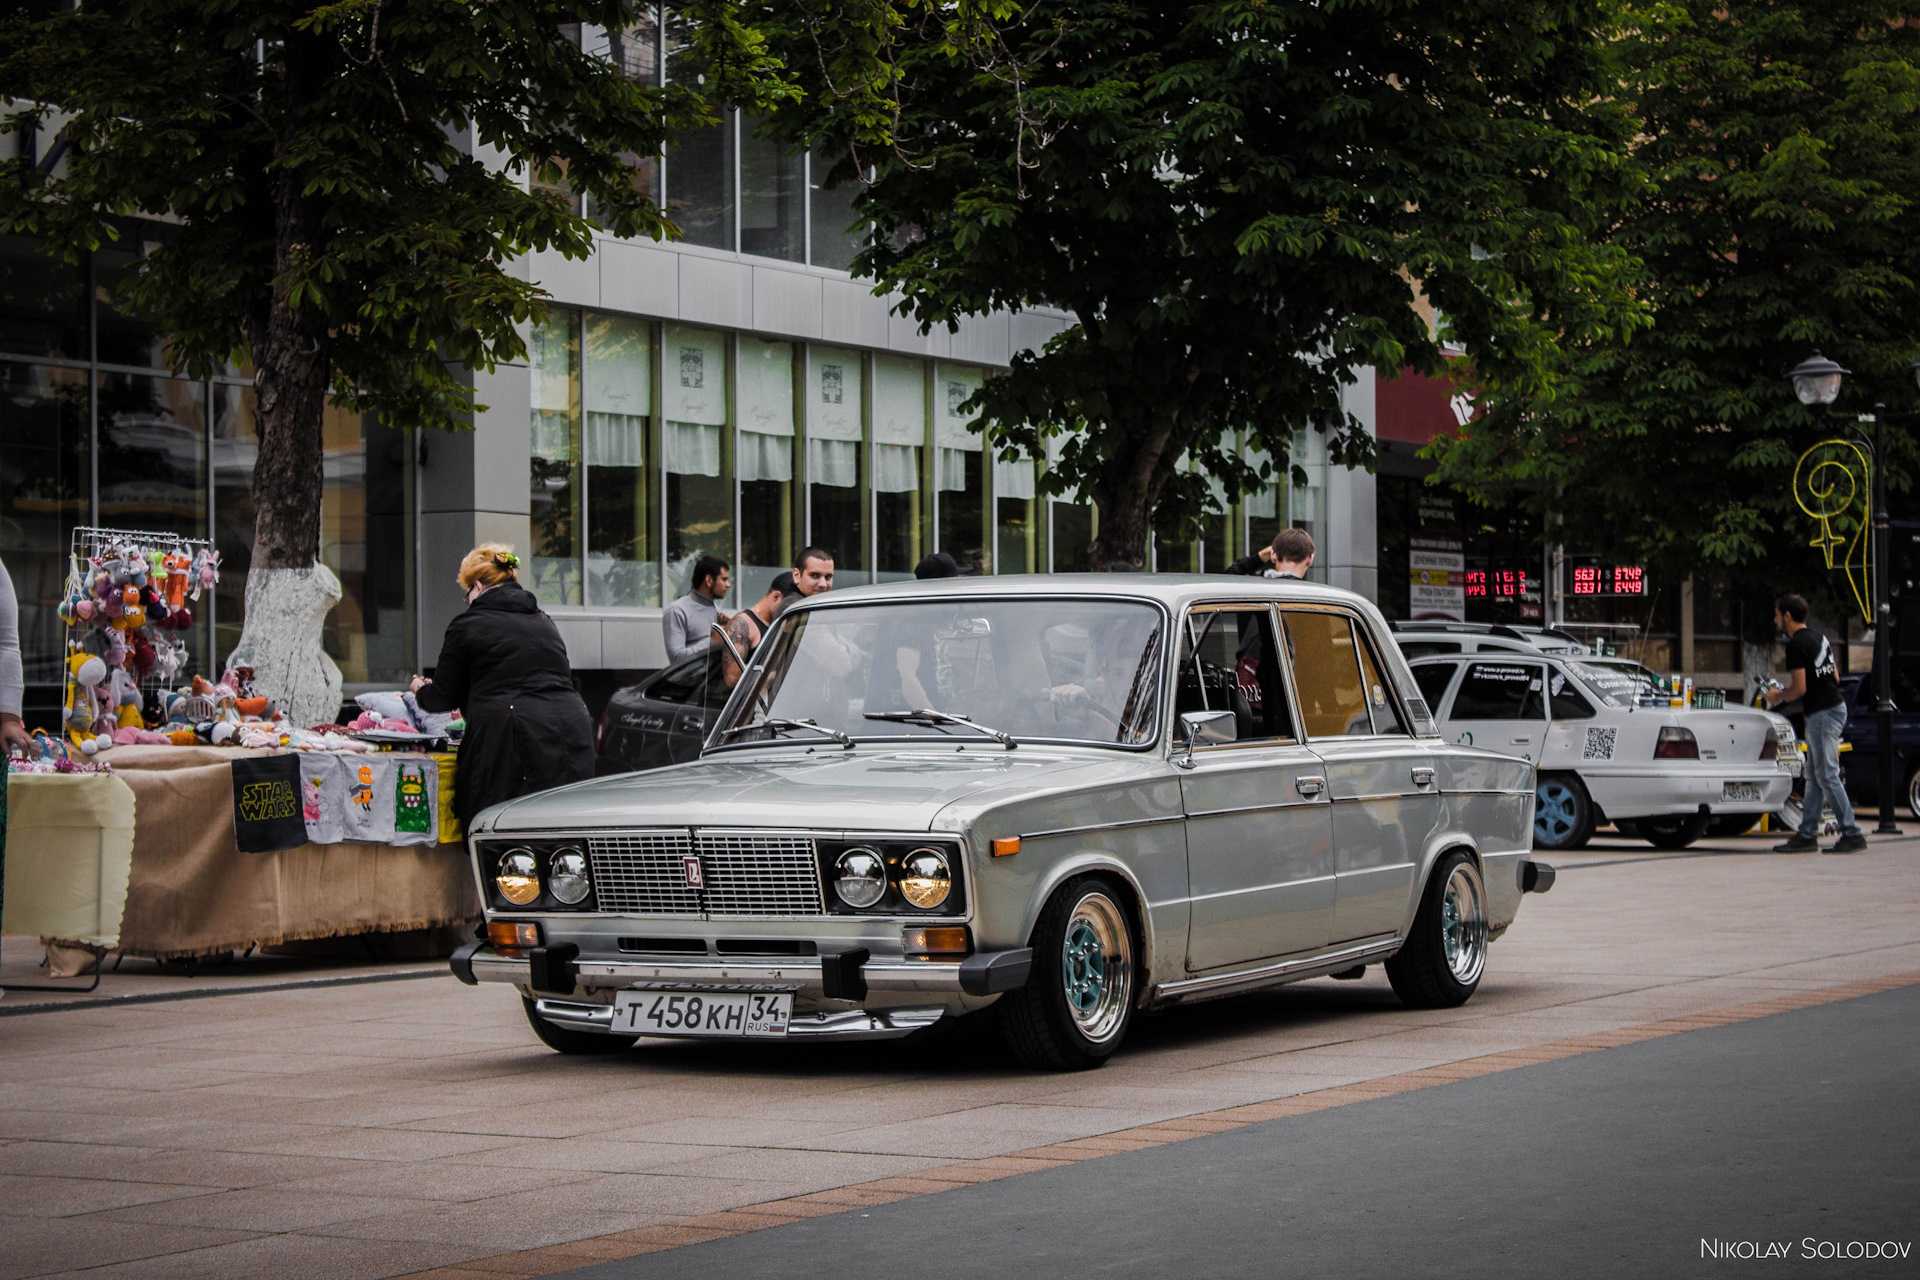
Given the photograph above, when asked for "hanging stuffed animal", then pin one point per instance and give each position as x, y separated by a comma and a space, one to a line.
205, 572
124, 694
85, 673
177, 564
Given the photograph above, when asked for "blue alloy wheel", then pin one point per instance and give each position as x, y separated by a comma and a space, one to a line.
1562, 812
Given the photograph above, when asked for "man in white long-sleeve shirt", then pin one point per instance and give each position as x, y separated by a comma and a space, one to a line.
688, 621
13, 683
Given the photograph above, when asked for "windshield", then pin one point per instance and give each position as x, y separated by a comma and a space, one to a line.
1619, 684
1039, 670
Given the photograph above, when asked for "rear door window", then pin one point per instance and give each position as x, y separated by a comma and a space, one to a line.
1327, 676
1501, 691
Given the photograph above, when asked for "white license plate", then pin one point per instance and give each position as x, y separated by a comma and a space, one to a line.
702, 1013
1741, 791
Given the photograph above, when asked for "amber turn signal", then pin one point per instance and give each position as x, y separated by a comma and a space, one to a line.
1006, 847
513, 935
944, 940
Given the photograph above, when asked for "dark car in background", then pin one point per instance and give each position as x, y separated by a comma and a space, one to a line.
1861, 763
662, 720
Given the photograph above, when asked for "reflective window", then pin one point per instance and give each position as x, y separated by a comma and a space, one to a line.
43, 302
899, 441
1433, 679
837, 461
1031, 668
1566, 699
553, 360
1228, 662
1016, 545
1326, 674
623, 566
1386, 714
45, 489
765, 383
835, 228
959, 462
772, 191
1501, 691
122, 338
699, 165
694, 450
153, 454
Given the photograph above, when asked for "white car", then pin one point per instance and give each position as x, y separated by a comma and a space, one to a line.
1425, 639
1605, 750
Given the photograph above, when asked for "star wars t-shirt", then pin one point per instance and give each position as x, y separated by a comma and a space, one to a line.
1811, 651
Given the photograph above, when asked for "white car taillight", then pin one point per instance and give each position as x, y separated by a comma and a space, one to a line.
1676, 744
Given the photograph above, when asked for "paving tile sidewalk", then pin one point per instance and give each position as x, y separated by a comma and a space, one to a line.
386, 1129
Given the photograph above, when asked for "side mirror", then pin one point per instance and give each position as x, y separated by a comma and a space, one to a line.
1205, 729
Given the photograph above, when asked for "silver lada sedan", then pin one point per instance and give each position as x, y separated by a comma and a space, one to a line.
1068, 798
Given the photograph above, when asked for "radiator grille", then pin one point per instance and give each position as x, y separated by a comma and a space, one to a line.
742, 874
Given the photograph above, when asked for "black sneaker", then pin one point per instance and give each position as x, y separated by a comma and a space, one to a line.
1848, 844
1796, 844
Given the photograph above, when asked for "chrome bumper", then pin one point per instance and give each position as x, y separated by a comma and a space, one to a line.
853, 1024
986, 973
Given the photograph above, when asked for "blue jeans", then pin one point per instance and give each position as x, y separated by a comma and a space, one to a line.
1823, 774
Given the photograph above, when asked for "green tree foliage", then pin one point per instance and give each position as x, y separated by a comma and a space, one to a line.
346, 185
1781, 148
1232, 201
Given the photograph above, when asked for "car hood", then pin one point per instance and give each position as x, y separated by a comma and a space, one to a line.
867, 789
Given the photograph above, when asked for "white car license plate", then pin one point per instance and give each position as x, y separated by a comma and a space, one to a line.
702, 1013
1741, 791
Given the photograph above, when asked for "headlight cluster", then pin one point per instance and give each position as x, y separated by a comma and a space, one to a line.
544, 873
886, 877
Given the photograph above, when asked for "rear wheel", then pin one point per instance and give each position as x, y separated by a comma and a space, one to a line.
1913, 792
1562, 813
1074, 1010
1672, 833
567, 1040
1446, 950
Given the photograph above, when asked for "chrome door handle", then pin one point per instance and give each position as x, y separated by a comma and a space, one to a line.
1519, 742
1308, 785
1423, 777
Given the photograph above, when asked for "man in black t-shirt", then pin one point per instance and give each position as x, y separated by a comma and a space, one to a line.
1816, 681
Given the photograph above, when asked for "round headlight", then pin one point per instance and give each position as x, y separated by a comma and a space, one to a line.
860, 877
518, 877
925, 878
567, 877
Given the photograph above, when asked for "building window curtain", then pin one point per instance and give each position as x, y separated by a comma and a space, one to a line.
700, 498
617, 379
763, 385
553, 353
837, 516
899, 436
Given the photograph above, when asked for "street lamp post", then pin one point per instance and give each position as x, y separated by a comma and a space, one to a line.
1816, 381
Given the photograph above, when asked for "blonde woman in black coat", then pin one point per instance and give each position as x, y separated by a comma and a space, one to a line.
503, 663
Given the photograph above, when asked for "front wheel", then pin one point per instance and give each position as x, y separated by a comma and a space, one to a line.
1913, 792
1673, 833
567, 1040
1562, 813
1074, 1010
1446, 950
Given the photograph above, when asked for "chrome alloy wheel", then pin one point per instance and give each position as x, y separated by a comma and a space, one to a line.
1556, 811
1463, 924
1096, 967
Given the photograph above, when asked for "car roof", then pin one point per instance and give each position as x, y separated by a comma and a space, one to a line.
1175, 590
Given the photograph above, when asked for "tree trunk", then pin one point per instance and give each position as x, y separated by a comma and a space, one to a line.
1125, 497
289, 592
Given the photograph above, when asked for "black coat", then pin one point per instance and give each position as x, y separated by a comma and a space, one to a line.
504, 664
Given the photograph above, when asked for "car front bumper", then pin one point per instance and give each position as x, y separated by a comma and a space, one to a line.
846, 975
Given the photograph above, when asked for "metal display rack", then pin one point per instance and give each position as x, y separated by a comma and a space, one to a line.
90, 542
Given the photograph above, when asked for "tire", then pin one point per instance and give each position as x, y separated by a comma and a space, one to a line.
1732, 824
1562, 812
1913, 793
567, 1040
1672, 833
1446, 950
1626, 828
1074, 1011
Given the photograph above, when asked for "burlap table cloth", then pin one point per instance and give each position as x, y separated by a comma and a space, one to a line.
191, 892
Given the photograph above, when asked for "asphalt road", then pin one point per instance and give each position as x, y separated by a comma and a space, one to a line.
1799, 1131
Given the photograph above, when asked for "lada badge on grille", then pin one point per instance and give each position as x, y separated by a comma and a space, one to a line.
695, 880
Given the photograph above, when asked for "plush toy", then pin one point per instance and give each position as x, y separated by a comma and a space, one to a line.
176, 565
95, 745
124, 693
251, 708
205, 572
85, 674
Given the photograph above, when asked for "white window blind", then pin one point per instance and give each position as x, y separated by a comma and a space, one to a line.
693, 400
833, 417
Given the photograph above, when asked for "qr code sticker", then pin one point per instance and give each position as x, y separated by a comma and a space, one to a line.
1599, 744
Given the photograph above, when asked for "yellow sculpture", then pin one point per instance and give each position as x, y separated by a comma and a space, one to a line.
1832, 481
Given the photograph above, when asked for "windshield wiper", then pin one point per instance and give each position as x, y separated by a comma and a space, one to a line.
778, 723
928, 716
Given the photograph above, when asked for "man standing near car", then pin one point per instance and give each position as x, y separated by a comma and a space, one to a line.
1816, 681
688, 621
1290, 556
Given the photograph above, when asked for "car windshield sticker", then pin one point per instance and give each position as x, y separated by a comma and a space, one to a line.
1616, 686
1559, 684
1599, 744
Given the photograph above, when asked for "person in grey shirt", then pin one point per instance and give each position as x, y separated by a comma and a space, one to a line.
688, 621
13, 683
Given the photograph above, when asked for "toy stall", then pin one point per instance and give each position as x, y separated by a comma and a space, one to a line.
178, 816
